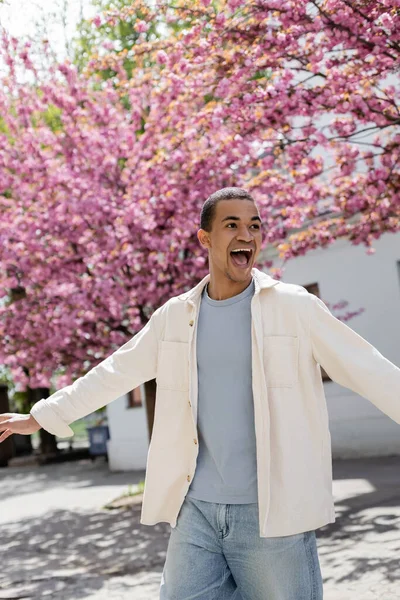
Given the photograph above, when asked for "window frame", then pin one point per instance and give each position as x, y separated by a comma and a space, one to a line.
135, 398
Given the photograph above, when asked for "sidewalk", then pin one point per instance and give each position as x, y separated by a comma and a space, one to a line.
360, 553
58, 541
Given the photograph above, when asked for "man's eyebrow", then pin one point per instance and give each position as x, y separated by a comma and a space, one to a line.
255, 218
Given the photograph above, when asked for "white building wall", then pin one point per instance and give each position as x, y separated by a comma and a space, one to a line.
129, 438
346, 272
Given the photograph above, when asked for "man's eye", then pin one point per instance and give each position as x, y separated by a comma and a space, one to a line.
233, 224
256, 226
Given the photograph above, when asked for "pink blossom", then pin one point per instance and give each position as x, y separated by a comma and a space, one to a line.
220, 19
142, 26
162, 57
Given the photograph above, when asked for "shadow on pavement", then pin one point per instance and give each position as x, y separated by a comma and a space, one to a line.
71, 553
85, 473
365, 539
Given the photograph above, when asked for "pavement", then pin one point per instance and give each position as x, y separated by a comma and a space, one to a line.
58, 540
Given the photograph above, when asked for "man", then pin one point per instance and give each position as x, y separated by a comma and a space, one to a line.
240, 461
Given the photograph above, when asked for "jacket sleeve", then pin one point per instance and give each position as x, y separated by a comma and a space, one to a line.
352, 362
127, 368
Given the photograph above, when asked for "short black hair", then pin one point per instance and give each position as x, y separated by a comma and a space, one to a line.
228, 193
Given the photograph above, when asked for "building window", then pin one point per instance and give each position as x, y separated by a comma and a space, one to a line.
135, 399
313, 288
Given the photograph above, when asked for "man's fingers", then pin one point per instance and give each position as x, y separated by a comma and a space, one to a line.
5, 435
4, 425
4, 417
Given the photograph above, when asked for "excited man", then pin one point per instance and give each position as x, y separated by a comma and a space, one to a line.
240, 459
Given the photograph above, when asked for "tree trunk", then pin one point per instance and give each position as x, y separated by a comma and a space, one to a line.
6, 448
150, 390
48, 443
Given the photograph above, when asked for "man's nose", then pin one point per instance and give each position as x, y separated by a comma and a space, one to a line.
244, 235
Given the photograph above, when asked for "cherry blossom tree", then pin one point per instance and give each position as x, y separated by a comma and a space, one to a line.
120, 36
248, 86
100, 201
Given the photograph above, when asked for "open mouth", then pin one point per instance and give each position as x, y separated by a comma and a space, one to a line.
242, 257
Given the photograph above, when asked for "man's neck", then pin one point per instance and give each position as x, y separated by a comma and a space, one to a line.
222, 290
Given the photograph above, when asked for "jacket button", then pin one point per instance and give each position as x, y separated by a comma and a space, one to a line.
195, 441
190, 404
188, 477
191, 323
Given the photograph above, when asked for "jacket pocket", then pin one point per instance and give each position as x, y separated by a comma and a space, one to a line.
281, 357
173, 366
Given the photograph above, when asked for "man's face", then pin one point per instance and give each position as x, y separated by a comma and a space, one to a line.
236, 226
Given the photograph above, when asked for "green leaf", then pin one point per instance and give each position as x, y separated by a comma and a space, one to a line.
261, 74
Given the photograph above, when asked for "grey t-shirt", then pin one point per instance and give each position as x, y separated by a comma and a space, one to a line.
226, 469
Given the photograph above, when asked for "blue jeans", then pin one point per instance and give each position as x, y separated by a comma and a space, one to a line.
215, 552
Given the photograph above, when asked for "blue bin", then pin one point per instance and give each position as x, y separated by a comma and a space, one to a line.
98, 437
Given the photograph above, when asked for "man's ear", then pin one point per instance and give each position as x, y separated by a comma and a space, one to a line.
203, 238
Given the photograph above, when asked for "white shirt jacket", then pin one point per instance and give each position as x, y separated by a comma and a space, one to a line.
293, 333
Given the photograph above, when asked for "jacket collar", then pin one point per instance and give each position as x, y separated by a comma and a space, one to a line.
261, 281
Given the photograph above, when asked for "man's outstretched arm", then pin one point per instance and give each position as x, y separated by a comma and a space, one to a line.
127, 368
353, 362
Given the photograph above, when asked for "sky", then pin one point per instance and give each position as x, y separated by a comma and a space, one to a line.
36, 19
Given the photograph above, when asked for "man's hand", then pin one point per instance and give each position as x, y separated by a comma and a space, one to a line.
15, 423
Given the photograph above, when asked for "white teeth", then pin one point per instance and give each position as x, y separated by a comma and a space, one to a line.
242, 250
